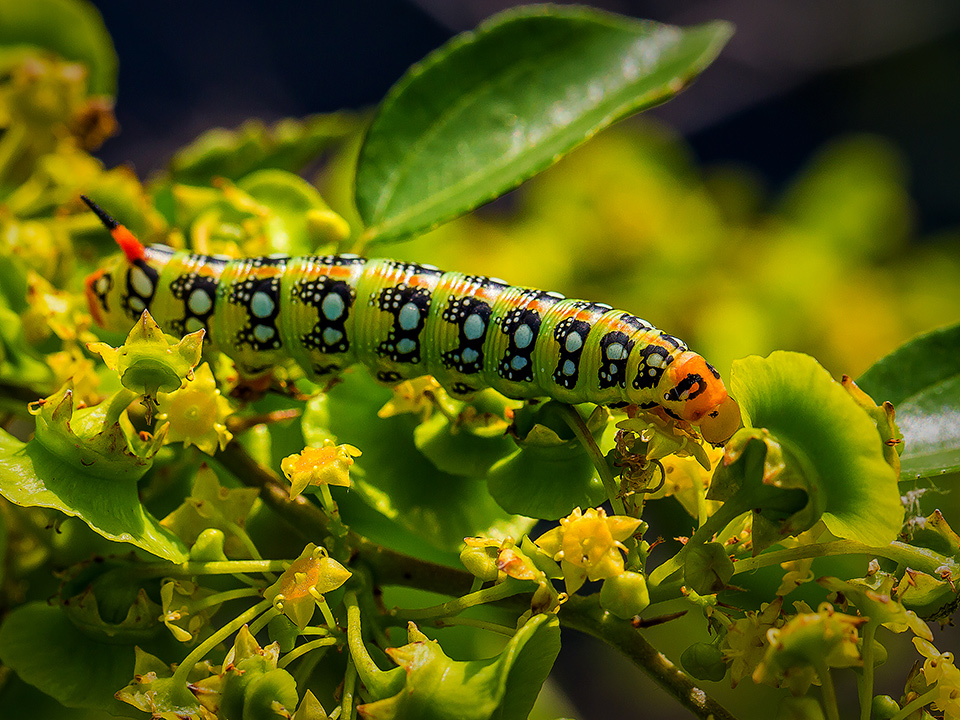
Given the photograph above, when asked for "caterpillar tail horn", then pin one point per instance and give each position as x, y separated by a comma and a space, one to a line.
132, 248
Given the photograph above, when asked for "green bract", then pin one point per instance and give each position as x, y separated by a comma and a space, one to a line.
498, 105
428, 685
85, 463
149, 361
807, 448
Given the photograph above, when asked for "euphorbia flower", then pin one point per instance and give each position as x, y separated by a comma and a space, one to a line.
588, 545
149, 361
329, 465
197, 412
302, 586
939, 668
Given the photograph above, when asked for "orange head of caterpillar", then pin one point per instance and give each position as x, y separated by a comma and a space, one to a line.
695, 393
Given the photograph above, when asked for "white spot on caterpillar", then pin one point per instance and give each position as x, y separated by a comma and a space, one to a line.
470, 355
192, 324
332, 336
473, 327
574, 343
103, 284
519, 362
140, 282
199, 302
615, 351
332, 306
261, 305
138, 304
409, 316
406, 345
556, 295
523, 336
655, 360
569, 368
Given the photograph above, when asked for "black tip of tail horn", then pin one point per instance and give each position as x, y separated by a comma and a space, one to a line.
108, 221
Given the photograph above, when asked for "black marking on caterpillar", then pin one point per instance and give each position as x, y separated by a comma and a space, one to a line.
333, 300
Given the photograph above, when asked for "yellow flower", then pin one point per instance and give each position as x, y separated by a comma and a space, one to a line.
588, 545
413, 396
149, 361
196, 413
329, 465
939, 668
302, 586
746, 639
804, 643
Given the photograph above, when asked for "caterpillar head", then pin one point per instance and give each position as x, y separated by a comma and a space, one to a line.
693, 390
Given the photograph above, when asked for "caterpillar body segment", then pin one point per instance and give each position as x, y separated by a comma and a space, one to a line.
404, 320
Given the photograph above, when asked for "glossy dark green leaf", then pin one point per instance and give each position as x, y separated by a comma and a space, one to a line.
46, 650
922, 380
495, 106
72, 29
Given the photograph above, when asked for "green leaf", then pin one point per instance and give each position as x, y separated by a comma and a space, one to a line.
496, 106
551, 473
827, 438
290, 144
46, 650
300, 219
32, 476
922, 379
72, 29
395, 478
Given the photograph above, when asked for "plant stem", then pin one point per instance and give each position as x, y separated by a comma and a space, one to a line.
828, 691
223, 597
349, 686
301, 650
865, 686
473, 622
911, 707
584, 614
219, 567
222, 633
380, 683
501, 591
917, 558
573, 420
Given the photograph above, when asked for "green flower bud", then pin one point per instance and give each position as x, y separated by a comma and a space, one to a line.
481, 560
704, 661
625, 595
884, 707
209, 546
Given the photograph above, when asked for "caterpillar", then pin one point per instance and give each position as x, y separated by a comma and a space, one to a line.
403, 320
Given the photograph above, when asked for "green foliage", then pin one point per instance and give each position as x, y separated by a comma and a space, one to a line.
244, 598
522, 90
922, 379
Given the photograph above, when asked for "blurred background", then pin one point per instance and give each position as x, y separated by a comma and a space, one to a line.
802, 195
